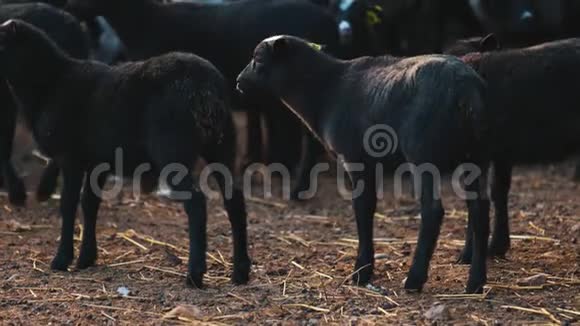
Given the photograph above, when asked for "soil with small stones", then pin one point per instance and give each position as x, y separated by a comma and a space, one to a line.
303, 254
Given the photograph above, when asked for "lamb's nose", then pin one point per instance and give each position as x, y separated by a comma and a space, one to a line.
239, 88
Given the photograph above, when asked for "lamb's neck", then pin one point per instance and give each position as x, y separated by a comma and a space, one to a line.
34, 92
310, 101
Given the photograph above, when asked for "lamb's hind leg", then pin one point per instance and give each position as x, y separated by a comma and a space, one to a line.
170, 161
478, 218
364, 205
236, 209
196, 210
48, 182
222, 158
500, 240
431, 218
577, 172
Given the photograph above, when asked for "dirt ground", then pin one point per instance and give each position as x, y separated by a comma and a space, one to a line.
303, 254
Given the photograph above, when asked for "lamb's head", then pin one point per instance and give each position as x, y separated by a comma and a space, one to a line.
26, 50
489, 43
278, 65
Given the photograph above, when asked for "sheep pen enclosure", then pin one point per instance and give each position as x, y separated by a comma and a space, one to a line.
302, 255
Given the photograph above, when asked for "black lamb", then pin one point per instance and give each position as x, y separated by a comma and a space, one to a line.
534, 105
67, 32
166, 111
433, 105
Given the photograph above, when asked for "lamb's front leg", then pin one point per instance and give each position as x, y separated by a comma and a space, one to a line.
254, 135
8, 176
431, 218
73, 178
304, 167
14, 184
466, 253
364, 205
92, 197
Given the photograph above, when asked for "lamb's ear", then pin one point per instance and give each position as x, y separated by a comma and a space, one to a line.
9, 26
489, 43
316, 46
280, 47
374, 15
7, 29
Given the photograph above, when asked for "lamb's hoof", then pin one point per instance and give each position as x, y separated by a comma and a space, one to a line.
301, 191
413, 285
241, 274
44, 192
240, 277
86, 260
195, 280
295, 195
42, 196
498, 248
474, 287
363, 276
464, 257
61, 262
17, 194
46, 188
576, 177
17, 199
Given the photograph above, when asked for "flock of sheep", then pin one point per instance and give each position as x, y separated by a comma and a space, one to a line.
171, 101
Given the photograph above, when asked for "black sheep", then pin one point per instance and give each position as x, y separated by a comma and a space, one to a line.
527, 22
357, 23
534, 102
55, 3
434, 104
164, 111
224, 34
106, 45
67, 33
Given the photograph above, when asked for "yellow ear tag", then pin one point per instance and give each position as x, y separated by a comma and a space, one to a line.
373, 18
315, 46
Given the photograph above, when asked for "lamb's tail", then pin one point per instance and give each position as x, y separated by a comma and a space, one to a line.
478, 110
216, 123
212, 115
473, 109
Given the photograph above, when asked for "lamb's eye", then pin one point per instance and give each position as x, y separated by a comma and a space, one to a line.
257, 64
